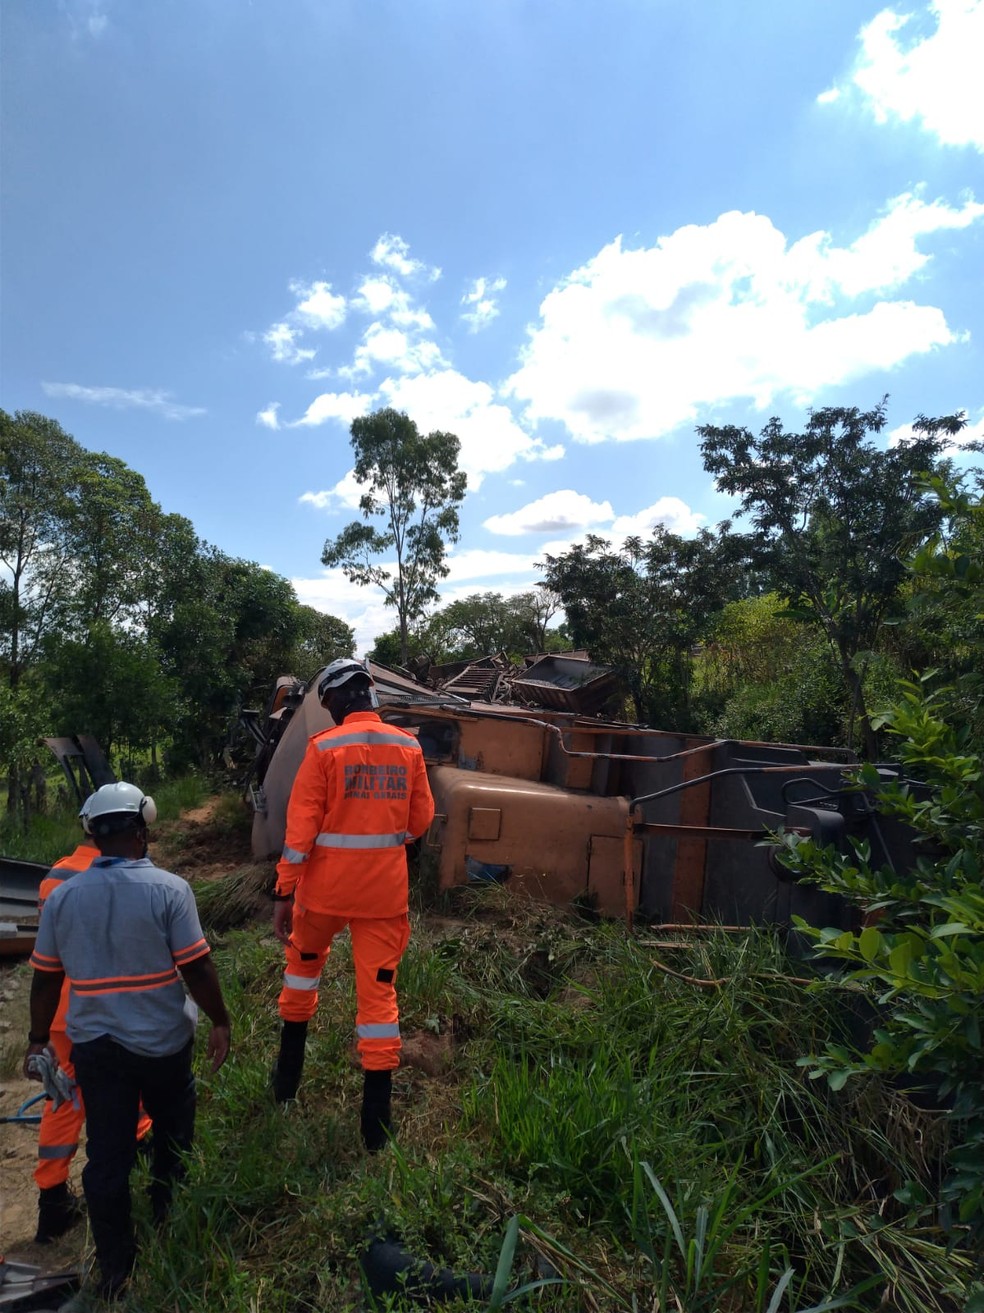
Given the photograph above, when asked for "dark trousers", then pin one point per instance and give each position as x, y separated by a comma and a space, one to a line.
114, 1081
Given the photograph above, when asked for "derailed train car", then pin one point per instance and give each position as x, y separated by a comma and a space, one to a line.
630, 821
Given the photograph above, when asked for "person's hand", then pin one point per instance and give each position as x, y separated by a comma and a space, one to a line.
29, 1071
283, 919
217, 1049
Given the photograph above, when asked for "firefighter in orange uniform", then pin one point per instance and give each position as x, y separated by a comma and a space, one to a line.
360, 795
58, 1135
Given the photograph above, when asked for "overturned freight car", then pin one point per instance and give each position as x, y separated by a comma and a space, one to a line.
628, 820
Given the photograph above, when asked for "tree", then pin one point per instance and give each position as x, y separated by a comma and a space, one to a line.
834, 517
224, 640
111, 531
759, 676
109, 684
320, 638
642, 608
414, 485
39, 465
485, 623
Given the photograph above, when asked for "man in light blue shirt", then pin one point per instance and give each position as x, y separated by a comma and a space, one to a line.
127, 936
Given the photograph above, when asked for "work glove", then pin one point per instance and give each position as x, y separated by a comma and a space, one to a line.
58, 1087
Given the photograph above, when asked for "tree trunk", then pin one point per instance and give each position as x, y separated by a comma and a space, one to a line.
859, 708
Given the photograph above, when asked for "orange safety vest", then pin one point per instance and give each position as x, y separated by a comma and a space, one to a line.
79, 860
361, 794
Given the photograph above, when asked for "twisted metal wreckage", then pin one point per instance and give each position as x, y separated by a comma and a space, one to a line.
535, 791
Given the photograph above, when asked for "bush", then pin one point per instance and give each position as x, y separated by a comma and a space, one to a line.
920, 954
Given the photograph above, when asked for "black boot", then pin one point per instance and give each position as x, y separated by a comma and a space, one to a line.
115, 1241
376, 1122
58, 1211
290, 1063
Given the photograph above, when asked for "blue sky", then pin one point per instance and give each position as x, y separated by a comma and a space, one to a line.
566, 231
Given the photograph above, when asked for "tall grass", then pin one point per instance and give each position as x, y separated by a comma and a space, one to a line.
57, 831
608, 1137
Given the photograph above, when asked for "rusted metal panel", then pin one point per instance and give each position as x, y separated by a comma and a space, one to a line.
664, 826
545, 836
567, 684
19, 884
84, 764
691, 853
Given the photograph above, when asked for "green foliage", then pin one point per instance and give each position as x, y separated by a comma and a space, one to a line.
413, 484
109, 684
603, 1135
319, 639
116, 620
761, 676
483, 624
921, 955
834, 518
642, 608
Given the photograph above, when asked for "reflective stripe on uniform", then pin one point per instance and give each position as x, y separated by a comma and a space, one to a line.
301, 982
293, 856
362, 840
57, 1150
379, 1030
367, 738
125, 984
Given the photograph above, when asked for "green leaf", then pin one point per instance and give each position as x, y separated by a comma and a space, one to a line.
870, 943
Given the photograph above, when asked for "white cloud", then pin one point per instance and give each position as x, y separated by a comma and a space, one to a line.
672, 513
343, 406
85, 18
557, 512
268, 418
935, 79
378, 296
362, 608
974, 432
318, 306
282, 341
491, 439
476, 564
123, 399
392, 252
344, 496
634, 342
571, 513
383, 345
398, 351
881, 259
483, 303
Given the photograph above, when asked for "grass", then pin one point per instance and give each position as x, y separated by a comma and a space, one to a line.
631, 1140
58, 832
607, 1136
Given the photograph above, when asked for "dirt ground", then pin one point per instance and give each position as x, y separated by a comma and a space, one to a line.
202, 845
18, 1145
195, 846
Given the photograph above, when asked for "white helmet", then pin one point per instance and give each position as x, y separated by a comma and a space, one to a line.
120, 799
339, 673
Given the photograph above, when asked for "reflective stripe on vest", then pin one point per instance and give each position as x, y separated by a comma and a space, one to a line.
57, 1150
379, 1030
301, 982
368, 738
293, 856
362, 840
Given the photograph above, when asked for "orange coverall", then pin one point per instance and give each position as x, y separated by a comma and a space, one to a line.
361, 794
58, 1134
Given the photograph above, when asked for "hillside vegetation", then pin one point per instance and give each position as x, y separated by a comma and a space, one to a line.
621, 1118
